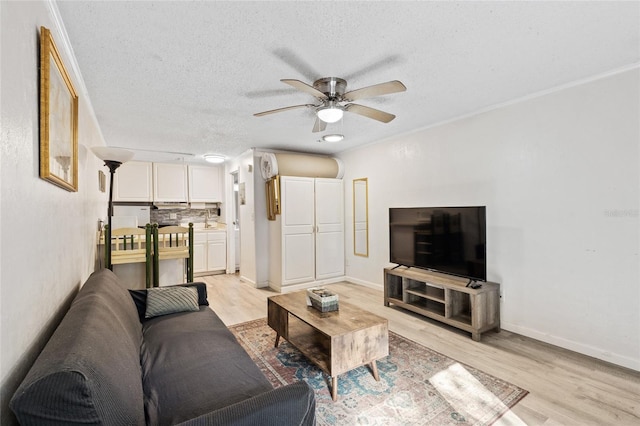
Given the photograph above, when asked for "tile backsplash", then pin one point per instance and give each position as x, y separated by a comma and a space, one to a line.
164, 216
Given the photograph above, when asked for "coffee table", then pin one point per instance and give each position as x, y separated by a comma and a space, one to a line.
336, 341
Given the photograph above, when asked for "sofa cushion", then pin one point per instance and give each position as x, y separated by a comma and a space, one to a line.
293, 404
192, 364
169, 300
89, 371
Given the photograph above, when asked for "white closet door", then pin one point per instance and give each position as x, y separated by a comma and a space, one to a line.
329, 228
297, 212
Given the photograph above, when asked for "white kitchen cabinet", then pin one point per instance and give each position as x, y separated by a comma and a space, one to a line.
133, 181
205, 184
199, 252
217, 251
169, 182
209, 251
307, 238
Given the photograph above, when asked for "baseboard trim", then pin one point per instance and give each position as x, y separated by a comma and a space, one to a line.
592, 351
364, 283
581, 348
295, 287
247, 280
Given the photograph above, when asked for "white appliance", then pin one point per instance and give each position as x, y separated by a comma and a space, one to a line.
130, 216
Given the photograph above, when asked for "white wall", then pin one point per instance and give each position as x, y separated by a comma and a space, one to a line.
47, 235
246, 214
559, 174
254, 266
261, 224
228, 215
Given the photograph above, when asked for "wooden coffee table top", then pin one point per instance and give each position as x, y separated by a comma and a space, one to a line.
347, 319
336, 341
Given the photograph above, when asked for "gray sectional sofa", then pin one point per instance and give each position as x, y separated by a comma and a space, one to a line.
106, 364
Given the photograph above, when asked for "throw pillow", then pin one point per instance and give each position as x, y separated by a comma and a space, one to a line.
140, 296
169, 300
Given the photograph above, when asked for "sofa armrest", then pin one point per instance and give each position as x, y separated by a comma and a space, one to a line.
291, 405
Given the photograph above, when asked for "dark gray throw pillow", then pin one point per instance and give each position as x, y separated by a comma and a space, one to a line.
140, 297
170, 300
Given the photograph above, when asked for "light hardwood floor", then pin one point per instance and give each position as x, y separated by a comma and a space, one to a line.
565, 388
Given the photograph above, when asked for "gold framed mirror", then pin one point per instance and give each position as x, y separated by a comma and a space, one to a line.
361, 217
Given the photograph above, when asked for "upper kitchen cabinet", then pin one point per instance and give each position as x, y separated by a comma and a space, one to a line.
133, 182
169, 182
205, 184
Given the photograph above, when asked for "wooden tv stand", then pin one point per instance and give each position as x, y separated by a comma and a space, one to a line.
444, 298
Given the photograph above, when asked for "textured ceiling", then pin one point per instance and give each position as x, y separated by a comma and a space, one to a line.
188, 76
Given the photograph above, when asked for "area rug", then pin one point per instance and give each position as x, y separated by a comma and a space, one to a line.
417, 386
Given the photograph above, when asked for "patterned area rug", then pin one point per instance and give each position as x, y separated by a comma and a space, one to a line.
417, 386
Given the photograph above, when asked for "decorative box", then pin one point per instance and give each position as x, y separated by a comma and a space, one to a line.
322, 299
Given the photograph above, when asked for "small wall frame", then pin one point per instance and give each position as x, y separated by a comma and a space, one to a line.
272, 187
58, 118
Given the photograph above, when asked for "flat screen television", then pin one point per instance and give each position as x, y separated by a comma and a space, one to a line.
443, 239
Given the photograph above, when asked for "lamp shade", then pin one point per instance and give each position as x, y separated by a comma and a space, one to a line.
106, 153
330, 114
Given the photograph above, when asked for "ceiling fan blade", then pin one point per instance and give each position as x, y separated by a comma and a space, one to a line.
305, 88
273, 111
387, 88
319, 126
368, 112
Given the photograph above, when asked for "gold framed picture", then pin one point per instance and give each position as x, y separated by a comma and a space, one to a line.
58, 118
272, 187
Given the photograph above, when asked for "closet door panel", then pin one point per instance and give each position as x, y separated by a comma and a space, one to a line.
298, 258
329, 195
298, 224
330, 254
329, 201
297, 205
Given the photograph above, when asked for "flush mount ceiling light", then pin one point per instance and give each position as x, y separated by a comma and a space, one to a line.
330, 113
214, 158
332, 138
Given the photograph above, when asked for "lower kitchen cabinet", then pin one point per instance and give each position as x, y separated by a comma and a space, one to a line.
209, 251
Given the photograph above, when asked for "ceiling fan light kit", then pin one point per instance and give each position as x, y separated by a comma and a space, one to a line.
214, 158
331, 91
331, 113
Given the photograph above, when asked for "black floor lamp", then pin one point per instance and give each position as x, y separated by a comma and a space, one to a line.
113, 158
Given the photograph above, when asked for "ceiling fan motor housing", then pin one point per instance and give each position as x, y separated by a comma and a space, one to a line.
333, 87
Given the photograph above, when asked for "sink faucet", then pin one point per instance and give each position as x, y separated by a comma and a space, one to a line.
206, 218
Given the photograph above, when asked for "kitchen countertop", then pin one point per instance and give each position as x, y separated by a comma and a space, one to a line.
215, 226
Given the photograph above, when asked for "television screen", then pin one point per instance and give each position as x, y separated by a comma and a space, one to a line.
444, 239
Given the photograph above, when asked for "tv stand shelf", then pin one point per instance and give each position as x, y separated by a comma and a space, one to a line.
444, 298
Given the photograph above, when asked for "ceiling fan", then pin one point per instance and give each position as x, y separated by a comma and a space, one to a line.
330, 92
